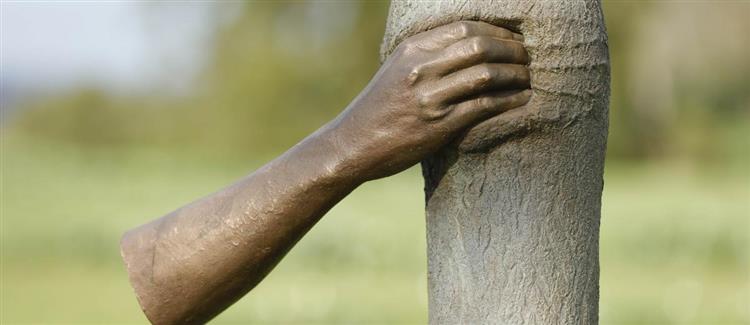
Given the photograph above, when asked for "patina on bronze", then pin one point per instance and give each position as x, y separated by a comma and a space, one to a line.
191, 264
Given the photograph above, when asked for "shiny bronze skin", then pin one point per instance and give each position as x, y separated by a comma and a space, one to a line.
191, 264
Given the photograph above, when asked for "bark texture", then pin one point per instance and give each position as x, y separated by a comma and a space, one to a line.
513, 207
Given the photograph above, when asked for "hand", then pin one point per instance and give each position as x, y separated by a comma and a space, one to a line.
191, 264
434, 86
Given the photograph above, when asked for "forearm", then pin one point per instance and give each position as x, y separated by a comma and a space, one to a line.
189, 265
196, 261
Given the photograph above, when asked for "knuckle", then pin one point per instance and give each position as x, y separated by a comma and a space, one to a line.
486, 102
434, 114
409, 40
406, 46
415, 74
505, 33
419, 69
484, 74
462, 29
424, 100
478, 46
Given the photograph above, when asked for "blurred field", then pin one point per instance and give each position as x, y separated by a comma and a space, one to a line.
674, 244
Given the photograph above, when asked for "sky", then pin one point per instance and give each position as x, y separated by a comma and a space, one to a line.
131, 46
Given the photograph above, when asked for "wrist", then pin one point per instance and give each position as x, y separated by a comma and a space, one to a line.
324, 162
344, 162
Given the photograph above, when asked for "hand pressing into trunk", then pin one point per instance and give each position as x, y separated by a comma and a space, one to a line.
435, 85
191, 264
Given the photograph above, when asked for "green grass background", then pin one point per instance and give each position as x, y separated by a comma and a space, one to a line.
674, 241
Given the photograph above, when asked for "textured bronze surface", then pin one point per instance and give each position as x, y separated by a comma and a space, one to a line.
191, 264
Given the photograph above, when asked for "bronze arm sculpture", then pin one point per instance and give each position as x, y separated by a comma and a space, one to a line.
191, 264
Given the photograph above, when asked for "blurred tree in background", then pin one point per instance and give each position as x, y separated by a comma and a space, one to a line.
277, 72
679, 87
280, 70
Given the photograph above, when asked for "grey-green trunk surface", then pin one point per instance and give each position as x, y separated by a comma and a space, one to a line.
513, 208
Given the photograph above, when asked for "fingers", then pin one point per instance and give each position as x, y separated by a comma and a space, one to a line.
463, 29
470, 71
485, 133
443, 36
485, 106
475, 80
479, 49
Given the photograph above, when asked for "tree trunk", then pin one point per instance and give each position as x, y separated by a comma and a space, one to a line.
513, 207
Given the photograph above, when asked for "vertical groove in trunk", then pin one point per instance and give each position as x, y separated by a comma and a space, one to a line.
513, 208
